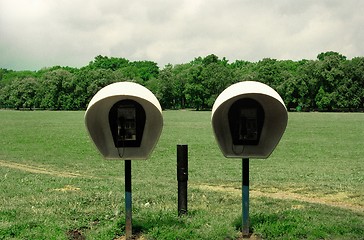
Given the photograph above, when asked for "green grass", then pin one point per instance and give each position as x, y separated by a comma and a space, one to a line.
55, 185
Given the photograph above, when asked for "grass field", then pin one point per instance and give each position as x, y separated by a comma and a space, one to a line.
55, 185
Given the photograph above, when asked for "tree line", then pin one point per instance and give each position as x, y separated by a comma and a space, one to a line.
329, 83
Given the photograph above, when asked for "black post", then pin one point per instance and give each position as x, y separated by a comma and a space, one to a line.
182, 177
128, 201
245, 198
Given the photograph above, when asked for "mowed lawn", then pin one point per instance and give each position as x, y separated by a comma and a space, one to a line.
55, 185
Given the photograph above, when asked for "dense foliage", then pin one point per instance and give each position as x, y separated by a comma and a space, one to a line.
329, 83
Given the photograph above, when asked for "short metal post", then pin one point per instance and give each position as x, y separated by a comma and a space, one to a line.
128, 201
245, 198
182, 177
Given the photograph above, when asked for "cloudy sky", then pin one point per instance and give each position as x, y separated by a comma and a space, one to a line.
43, 33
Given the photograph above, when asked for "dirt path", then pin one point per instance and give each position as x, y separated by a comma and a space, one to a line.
330, 201
39, 170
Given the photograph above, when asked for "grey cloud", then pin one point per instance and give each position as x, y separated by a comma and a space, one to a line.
36, 34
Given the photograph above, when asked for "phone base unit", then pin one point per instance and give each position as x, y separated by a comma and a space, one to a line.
248, 120
125, 121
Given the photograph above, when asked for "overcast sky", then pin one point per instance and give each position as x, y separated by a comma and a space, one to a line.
44, 33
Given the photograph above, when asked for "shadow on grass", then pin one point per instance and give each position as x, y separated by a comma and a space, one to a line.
301, 225
273, 225
164, 224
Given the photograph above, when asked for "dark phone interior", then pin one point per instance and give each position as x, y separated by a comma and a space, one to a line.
246, 119
127, 122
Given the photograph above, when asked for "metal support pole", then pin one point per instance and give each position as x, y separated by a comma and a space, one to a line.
182, 177
128, 201
245, 198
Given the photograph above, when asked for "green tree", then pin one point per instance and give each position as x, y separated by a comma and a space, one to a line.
212, 58
196, 92
268, 72
56, 90
331, 75
329, 54
308, 85
146, 70
89, 82
166, 90
105, 62
243, 70
351, 91
21, 93
215, 78
331, 82
294, 87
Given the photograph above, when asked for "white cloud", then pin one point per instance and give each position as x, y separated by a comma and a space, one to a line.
40, 33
